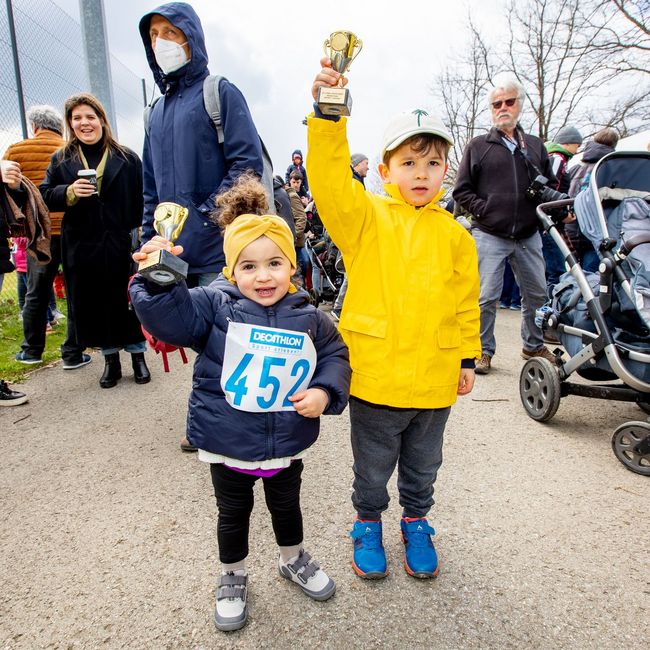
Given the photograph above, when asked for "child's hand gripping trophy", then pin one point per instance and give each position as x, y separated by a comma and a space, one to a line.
326, 78
154, 244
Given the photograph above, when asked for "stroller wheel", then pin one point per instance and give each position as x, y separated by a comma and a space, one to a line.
631, 445
539, 388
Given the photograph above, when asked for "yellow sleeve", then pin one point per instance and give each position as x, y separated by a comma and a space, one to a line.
70, 197
467, 292
341, 201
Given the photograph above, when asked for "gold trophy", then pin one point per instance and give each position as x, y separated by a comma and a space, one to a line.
342, 48
161, 266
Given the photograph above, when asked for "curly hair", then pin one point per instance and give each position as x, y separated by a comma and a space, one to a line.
246, 196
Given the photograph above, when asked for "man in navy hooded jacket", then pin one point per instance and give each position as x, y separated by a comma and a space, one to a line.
183, 161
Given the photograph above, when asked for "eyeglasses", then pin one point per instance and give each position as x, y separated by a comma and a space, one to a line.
508, 102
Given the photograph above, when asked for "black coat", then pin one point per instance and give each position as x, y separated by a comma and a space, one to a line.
491, 185
96, 247
5, 252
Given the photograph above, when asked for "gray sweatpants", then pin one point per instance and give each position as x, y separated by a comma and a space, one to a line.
383, 437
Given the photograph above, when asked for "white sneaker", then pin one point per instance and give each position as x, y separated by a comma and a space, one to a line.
231, 611
308, 575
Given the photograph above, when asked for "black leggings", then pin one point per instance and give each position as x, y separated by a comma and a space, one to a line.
234, 493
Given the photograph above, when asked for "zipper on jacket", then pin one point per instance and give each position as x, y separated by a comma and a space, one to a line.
272, 318
270, 417
514, 216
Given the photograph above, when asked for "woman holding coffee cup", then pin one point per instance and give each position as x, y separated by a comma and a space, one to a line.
97, 183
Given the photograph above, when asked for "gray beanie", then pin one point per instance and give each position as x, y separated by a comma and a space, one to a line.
356, 158
568, 135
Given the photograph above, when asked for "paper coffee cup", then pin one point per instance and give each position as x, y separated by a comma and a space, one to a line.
90, 175
6, 165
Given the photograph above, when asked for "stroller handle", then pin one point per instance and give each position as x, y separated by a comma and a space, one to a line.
543, 208
629, 245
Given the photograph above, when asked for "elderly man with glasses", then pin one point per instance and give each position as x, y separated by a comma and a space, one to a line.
494, 173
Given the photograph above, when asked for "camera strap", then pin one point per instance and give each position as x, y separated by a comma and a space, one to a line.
519, 141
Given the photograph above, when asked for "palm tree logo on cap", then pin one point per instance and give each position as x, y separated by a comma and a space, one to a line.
419, 113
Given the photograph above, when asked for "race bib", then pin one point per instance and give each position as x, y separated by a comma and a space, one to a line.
264, 366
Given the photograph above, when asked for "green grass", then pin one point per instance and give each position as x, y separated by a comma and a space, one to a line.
11, 336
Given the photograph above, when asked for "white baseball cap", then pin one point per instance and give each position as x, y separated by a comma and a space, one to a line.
410, 123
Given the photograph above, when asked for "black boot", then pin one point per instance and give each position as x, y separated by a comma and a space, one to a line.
112, 370
140, 370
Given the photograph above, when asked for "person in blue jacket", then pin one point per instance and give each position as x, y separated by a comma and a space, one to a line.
297, 166
269, 364
183, 161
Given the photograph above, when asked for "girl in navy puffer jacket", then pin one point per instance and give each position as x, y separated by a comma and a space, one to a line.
269, 364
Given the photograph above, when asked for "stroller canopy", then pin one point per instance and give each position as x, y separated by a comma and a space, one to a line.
616, 206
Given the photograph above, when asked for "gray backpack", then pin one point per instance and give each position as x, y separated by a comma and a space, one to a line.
212, 103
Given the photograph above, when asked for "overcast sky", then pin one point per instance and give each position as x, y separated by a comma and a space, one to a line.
270, 50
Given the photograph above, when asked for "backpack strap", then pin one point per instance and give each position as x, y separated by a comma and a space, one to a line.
212, 102
147, 113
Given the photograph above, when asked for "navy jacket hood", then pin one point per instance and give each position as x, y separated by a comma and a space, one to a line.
184, 17
594, 151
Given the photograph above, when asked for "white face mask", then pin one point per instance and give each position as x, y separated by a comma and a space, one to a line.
170, 56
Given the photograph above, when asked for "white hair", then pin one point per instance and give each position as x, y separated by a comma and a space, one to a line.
45, 117
505, 81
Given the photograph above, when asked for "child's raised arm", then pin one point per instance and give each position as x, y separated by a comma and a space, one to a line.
341, 201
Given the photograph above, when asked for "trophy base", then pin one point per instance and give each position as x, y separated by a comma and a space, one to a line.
334, 101
163, 268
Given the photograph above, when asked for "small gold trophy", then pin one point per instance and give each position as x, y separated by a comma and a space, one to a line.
161, 266
342, 48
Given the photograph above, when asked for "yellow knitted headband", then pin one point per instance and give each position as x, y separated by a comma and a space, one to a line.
246, 228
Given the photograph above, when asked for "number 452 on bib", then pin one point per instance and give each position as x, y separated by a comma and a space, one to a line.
264, 366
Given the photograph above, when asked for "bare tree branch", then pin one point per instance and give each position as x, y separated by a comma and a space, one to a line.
579, 60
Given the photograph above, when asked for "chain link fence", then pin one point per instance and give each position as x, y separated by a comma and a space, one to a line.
52, 67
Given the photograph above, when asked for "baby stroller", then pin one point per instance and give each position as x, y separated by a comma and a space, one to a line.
326, 274
602, 319
326, 277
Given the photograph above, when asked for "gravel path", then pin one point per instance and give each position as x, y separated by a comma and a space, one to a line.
108, 530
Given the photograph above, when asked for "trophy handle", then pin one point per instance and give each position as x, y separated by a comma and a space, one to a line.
358, 44
326, 45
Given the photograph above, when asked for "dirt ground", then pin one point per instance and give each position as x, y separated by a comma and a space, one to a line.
108, 529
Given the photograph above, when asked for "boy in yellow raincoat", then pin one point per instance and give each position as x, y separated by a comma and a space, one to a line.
410, 319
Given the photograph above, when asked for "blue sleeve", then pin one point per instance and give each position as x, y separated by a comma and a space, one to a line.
150, 191
175, 315
242, 149
333, 370
305, 183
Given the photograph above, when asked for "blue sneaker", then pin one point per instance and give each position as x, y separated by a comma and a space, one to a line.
420, 558
369, 559
23, 357
73, 365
